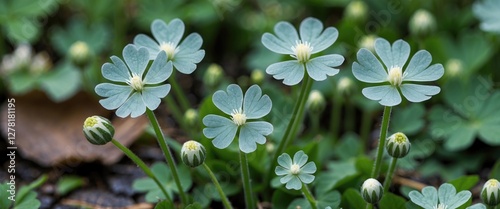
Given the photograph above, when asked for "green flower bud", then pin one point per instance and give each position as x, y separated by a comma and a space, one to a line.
356, 11
257, 76
79, 52
98, 130
453, 67
193, 153
422, 23
345, 86
398, 145
316, 102
490, 194
213, 75
368, 42
190, 117
372, 191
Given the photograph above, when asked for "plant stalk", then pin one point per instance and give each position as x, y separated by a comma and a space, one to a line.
168, 155
141, 165
309, 196
390, 172
245, 175
223, 196
183, 101
381, 142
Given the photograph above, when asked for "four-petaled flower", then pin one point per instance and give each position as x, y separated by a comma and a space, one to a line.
134, 89
253, 106
369, 69
295, 172
312, 40
184, 56
444, 198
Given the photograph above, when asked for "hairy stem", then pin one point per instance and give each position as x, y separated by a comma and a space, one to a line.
245, 175
390, 172
381, 142
309, 196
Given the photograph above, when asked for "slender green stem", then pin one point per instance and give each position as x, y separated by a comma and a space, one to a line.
293, 124
181, 96
366, 125
245, 175
381, 142
309, 196
390, 172
223, 196
335, 117
141, 165
168, 155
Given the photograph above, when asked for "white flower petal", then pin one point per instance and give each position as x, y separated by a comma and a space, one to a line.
386, 95
369, 68
292, 72
254, 104
418, 93
221, 129
229, 100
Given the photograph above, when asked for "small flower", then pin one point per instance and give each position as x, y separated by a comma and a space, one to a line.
444, 198
368, 42
490, 194
184, 56
134, 90
79, 52
345, 86
356, 11
295, 172
98, 130
369, 69
422, 23
240, 109
454, 67
193, 153
398, 145
488, 11
191, 117
257, 76
312, 40
372, 191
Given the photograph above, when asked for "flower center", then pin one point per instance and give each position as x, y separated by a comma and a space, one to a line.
440, 206
395, 76
294, 169
79, 48
239, 118
136, 82
400, 138
90, 122
302, 51
191, 146
170, 49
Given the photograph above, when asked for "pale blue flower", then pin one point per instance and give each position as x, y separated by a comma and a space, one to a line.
184, 56
313, 39
134, 89
444, 198
295, 172
393, 79
488, 11
253, 105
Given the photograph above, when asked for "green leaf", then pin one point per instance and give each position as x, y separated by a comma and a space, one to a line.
194, 206
330, 199
348, 147
24, 191
67, 184
201, 197
495, 171
465, 182
338, 174
5, 202
420, 149
164, 205
28, 202
392, 201
62, 83
408, 120
280, 199
352, 199
299, 203
21, 82
22, 30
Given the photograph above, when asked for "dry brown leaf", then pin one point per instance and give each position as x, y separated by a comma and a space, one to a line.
50, 133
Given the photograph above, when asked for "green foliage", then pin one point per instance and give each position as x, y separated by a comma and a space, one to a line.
67, 184
25, 197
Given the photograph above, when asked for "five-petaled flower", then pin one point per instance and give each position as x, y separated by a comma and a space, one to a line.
253, 105
369, 69
133, 89
312, 40
184, 56
295, 172
444, 198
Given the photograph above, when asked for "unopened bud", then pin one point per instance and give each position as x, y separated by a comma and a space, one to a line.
490, 194
98, 130
398, 145
213, 75
193, 153
79, 52
422, 23
372, 191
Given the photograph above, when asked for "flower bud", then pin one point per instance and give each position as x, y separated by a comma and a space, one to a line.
453, 67
213, 75
193, 153
422, 23
79, 52
190, 117
368, 42
356, 11
490, 194
345, 86
316, 102
257, 76
398, 145
98, 130
372, 191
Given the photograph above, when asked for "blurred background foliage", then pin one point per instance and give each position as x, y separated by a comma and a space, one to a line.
58, 47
